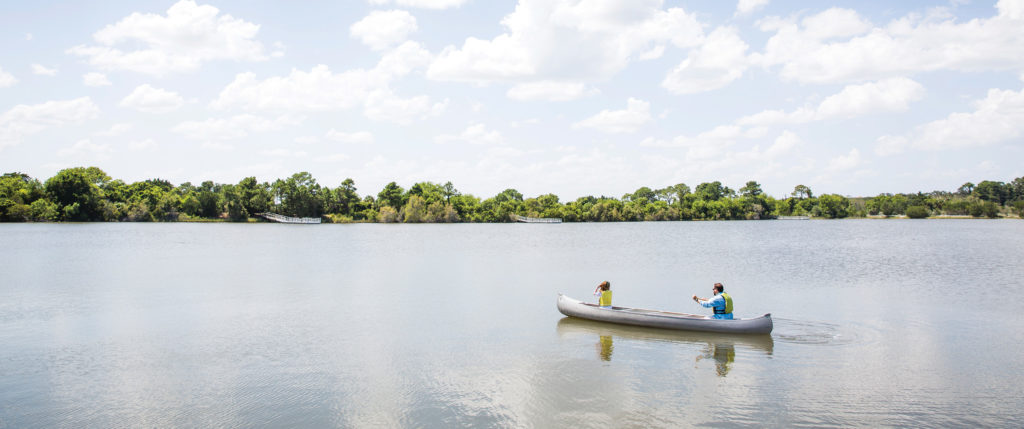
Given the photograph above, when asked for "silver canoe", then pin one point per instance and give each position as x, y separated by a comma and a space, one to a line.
663, 319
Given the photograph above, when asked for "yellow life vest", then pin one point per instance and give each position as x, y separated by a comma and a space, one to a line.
606, 299
728, 305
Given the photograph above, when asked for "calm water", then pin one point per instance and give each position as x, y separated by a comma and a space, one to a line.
877, 323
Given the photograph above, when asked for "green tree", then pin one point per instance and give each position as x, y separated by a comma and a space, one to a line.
254, 197
802, 192
751, 189
833, 206
346, 197
1016, 189
77, 192
391, 195
711, 191
988, 190
917, 212
18, 193
299, 195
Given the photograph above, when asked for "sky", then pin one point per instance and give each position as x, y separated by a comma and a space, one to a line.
571, 97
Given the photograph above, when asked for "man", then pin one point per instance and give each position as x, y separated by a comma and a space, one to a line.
721, 303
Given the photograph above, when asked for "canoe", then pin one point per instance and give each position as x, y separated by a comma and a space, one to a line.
663, 319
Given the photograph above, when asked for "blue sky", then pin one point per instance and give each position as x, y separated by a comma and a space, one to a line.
563, 96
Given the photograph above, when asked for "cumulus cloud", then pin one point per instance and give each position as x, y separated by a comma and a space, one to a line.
720, 60
42, 70
744, 7
550, 91
888, 95
997, 118
384, 29
180, 41
845, 162
95, 79
636, 114
384, 105
568, 40
425, 4
146, 98
320, 89
838, 45
6, 79
234, 127
24, 120
358, 137
473, 134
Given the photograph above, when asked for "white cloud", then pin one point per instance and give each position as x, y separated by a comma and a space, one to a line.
95, 79
997, 118
1012, 9
845, 162
6, 79
473, 134
384, 105
148, 99
358, 137
28, 37
383, 29
837, 45
568, 40
24, 120
235, 127
550, 91
87, 149
783, 144
426, 4
744, 7
719, 61
889, 95
180, 41
636, 114
115, 130
322, 90
42, 70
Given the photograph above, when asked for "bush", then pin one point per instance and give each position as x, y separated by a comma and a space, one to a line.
917, 212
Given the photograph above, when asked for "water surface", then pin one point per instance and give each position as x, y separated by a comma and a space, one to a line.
877, 323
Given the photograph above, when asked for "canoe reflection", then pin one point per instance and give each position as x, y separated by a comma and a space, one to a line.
719, 347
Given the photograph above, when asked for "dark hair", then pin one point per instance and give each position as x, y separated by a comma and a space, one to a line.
719, 287
605, 285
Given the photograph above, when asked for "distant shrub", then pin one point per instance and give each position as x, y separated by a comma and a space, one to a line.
917, 212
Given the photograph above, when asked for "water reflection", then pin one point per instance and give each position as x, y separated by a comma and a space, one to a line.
721, 348
723, 353
605, 347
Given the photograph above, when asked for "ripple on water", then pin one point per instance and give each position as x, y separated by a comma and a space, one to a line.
816, 333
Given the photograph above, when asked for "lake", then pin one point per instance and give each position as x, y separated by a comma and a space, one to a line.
877, 323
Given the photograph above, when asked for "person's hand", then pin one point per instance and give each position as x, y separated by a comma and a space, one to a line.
695, 297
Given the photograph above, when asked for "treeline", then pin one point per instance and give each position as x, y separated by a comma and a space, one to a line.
89, 194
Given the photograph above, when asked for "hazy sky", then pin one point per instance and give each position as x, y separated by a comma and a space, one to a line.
572, 97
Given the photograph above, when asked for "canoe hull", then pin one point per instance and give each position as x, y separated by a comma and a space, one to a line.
663, 319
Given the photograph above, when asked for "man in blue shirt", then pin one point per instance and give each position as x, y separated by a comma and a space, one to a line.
721, 303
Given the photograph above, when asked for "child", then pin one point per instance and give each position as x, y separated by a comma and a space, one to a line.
604, 294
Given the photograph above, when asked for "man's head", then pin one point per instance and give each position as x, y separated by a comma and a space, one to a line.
719, 288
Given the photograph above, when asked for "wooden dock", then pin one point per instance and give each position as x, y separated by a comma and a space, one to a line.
274, 217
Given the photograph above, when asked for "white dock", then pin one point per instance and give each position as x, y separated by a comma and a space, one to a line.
525, 219
274, 217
